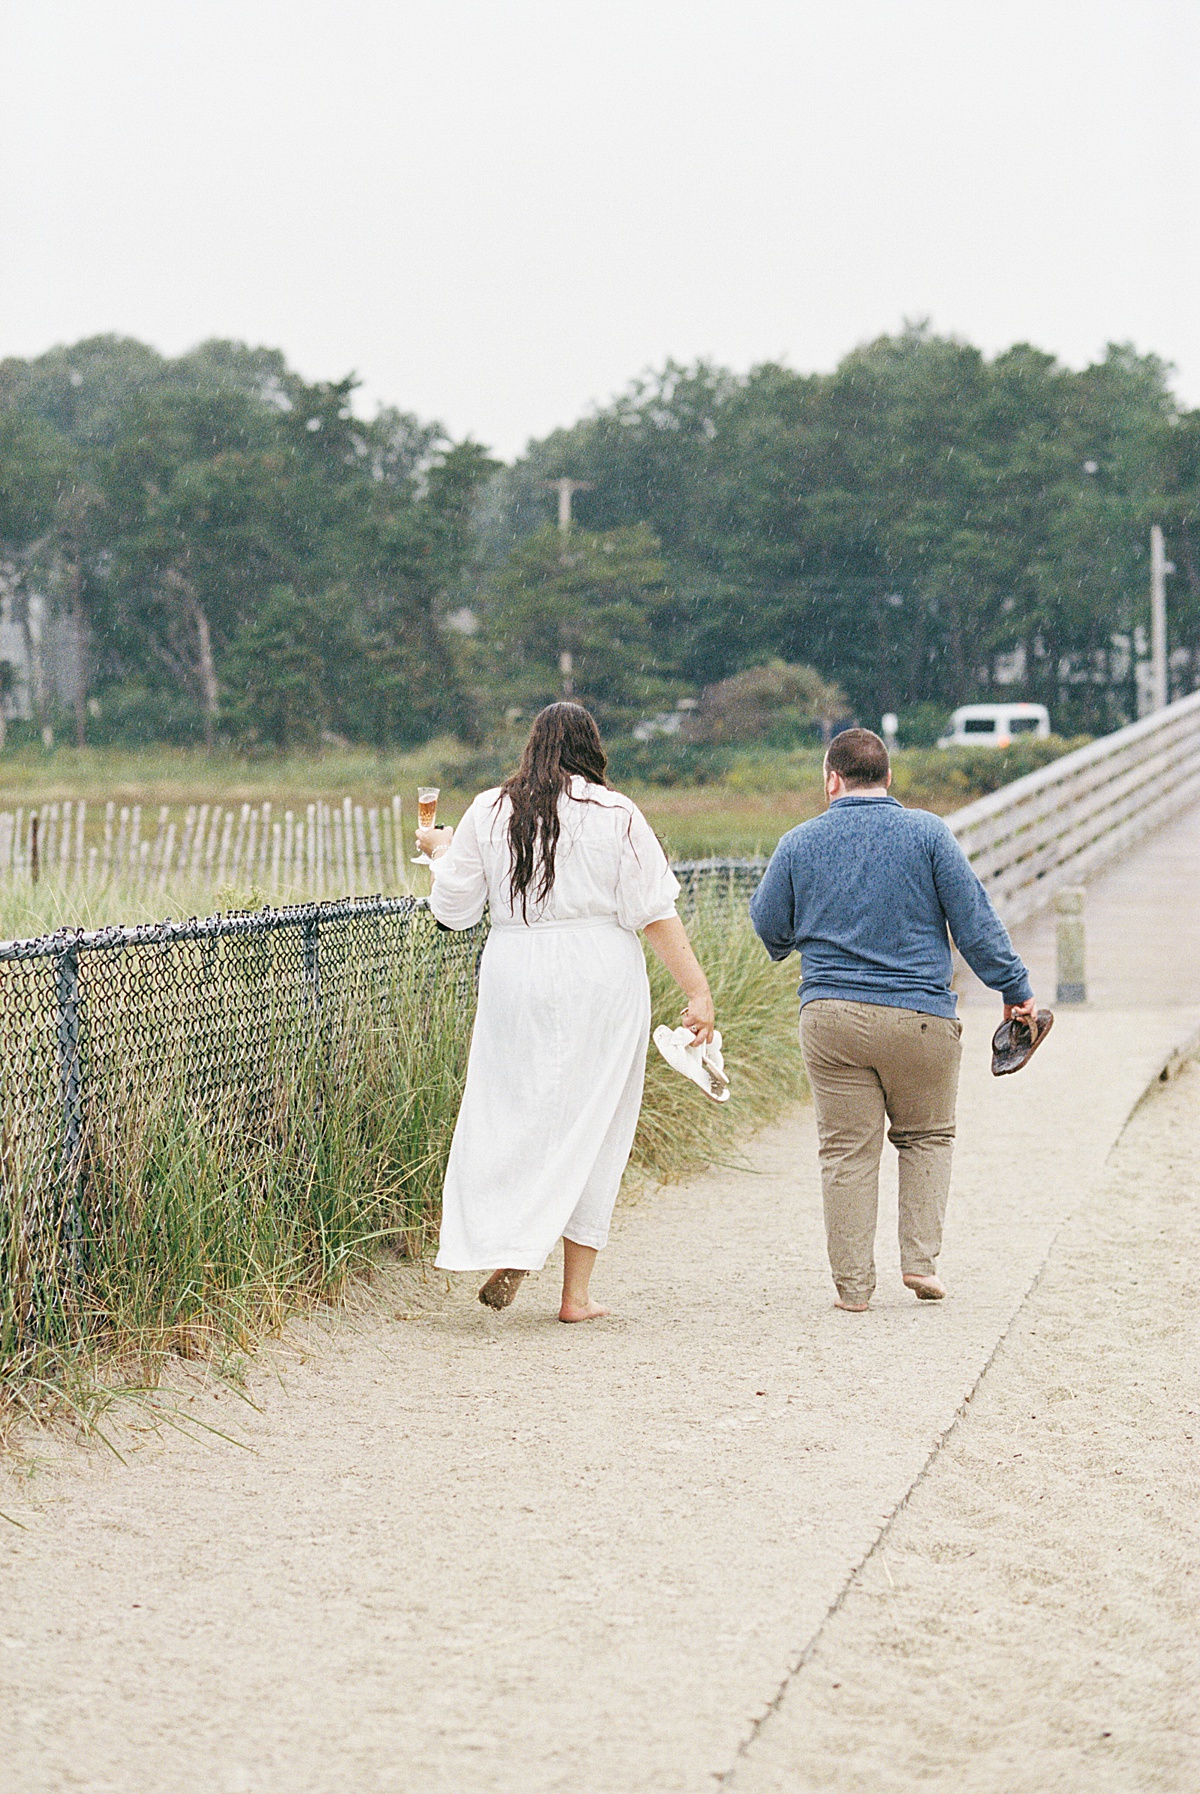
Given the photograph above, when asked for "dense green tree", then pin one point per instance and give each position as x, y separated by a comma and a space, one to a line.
1182, 523
278, 667
82, 391
578, 613
195, 491
917, 525
36, 465
921, 526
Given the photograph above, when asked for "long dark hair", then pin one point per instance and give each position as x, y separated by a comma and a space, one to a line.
564, 741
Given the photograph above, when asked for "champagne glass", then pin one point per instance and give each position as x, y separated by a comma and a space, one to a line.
427, 800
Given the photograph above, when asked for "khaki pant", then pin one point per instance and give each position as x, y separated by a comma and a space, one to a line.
866, 1062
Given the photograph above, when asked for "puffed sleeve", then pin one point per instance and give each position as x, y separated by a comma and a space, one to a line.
460, 893
646, 886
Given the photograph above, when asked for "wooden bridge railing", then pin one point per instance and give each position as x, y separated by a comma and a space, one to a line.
1058, 825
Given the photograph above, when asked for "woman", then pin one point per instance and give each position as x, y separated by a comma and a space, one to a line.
571, 872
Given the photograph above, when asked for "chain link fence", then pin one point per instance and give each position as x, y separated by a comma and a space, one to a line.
220, 1016
225, 1009
736, 880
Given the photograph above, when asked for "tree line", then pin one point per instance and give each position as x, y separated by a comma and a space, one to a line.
235, 553
924, 526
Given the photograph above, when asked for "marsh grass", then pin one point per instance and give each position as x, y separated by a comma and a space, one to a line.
29, 910
681, 1130
211, 1216
208, 1220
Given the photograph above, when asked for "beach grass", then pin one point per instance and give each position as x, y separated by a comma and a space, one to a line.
205, 1227
681, 1130
204, 1235
206, 1223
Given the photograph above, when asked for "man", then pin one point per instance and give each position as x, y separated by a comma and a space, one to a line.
865, 894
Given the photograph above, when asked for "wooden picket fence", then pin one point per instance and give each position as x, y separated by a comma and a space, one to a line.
1055, 827
322, 850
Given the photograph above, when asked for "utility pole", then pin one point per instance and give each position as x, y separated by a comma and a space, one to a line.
1160, 566
566, 490
78, 641
73, 511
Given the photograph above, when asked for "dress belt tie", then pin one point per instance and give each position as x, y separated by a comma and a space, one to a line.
564, 922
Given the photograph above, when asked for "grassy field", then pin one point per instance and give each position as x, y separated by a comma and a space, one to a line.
744, 812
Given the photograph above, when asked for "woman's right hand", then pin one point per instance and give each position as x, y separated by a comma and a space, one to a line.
700, 1017
434, 841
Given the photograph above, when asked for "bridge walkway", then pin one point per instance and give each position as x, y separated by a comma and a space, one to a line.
451, 1550
1143, 929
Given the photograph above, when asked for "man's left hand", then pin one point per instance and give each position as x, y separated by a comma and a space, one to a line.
1022, 1012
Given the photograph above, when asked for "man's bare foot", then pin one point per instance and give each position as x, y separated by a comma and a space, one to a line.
927, 1288
585, 1311
852, 1307
501, 1287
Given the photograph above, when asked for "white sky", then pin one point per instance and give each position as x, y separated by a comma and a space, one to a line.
498, 211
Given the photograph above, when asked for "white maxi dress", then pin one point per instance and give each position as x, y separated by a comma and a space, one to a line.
558, 1054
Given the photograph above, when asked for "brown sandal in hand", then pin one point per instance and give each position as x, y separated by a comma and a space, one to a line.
1015, 1042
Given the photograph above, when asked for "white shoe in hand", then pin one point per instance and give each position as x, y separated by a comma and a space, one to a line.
702, 1064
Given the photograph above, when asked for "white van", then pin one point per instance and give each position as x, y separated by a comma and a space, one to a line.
995, 725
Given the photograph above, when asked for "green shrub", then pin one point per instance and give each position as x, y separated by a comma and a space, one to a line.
140, 715
775, 703
960, 775
665, 760
920, 725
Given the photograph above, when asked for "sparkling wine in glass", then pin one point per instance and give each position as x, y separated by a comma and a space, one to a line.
427, 800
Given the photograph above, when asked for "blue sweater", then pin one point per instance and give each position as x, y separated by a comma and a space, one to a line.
865, 893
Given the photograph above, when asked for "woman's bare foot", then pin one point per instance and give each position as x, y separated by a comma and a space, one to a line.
851, 1307
927, 1288
578, 1264
582, 1311
501, 1287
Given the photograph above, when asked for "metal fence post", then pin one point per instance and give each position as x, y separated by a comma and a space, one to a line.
1072, 964
69, 1220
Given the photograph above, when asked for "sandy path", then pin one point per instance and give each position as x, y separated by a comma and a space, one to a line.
470, 1551
1029, 1623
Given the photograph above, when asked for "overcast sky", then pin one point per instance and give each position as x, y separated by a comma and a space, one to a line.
499, 211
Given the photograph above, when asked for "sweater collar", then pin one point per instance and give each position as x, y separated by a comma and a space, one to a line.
860, 797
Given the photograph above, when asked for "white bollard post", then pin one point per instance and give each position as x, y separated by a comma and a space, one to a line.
1072, 963
198, 842
266, 836
168, 856
360, 842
